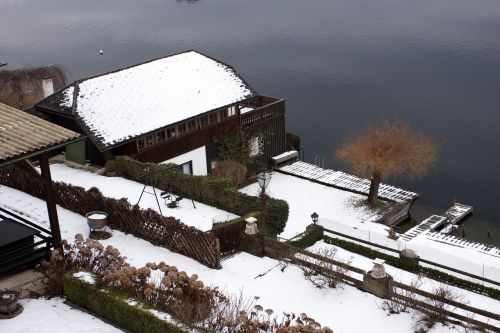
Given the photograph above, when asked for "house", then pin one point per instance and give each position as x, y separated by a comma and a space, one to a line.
22, 88
177, 109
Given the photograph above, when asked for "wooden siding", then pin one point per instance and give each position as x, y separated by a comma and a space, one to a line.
178, 146
269, 122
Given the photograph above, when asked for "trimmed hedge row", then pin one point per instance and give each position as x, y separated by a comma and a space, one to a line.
112, 305
307, 238
210, 190
414, 267
229, 232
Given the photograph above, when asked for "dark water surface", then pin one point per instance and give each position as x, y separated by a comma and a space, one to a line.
341, 65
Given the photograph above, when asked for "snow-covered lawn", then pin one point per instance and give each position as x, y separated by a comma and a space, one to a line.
470, 298
338, 211
347, 310
200, 217
305, 197
52, 315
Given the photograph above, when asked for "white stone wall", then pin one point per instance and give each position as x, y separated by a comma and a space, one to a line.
197, 156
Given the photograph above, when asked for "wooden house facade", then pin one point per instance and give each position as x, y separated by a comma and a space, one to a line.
186, 133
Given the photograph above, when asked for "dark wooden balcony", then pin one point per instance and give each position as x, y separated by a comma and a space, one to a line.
259, 110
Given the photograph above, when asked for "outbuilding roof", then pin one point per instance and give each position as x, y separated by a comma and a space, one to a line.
23, 135
119, 106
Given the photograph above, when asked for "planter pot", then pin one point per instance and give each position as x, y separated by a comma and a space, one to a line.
8, 301
96, 219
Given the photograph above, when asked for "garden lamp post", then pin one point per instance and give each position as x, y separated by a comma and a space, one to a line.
314, 217
264, 178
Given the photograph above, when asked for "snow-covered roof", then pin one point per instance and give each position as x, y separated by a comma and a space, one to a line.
127, 103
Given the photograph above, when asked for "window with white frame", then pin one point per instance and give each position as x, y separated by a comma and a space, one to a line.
186, 168
231, 111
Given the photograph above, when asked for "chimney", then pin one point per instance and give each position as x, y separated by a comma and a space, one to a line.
47, 86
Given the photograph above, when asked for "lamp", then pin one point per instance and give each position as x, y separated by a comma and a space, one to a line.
314, 217
264, 178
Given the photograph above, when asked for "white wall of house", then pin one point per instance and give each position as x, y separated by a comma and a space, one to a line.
48, 87
197, 156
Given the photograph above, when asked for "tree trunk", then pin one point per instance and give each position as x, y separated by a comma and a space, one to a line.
374, 186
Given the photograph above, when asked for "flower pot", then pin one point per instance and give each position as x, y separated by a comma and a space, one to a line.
96, 219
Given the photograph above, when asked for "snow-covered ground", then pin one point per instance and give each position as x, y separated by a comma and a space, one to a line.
282, 291
469, 298
200, 217
305, 197
288, 291
52, 315
340, 211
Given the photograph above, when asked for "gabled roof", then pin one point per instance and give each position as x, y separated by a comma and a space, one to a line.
119, 106
23, 135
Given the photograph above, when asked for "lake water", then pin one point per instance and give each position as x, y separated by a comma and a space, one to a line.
341, 65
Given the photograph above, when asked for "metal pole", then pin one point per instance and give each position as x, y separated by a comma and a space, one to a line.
50, 200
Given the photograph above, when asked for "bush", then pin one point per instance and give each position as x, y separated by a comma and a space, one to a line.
114, 306
307, 238
110, 166
234, 171
415, 268
211, 190
277, 216
229, 232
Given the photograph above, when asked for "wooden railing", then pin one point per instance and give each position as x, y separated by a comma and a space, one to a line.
265, 108
25, 253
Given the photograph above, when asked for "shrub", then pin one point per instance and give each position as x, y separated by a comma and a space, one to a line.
324, 273
277, 215
114, 306
234, 171
210, 190
110, 166
307, 238
229, 232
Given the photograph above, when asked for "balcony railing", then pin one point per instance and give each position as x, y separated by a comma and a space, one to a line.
260, 109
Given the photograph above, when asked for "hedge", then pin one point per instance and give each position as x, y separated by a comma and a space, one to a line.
112, 305
307, 238
415, 268
229, 232
210, 190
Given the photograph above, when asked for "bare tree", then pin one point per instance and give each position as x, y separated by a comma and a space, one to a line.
389, 150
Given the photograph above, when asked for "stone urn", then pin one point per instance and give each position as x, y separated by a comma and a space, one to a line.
9, 308
96, 220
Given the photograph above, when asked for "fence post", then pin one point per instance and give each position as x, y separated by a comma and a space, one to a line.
217, 254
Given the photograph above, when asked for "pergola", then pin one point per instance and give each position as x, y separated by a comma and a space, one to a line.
23, 136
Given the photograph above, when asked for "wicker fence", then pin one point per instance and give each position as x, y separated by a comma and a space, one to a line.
167, 232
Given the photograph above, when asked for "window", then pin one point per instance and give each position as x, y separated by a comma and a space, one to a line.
182, 128
145, 142
149, 140
186, 168
161, 136
231, 111
213, 117
204, 121
170, 133
141, 144
191, 125
256, 146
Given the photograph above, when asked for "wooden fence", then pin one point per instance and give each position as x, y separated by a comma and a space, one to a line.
167, 232
282, 251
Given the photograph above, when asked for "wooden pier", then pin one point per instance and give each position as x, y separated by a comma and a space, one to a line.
429, 224
346, 181
442, 224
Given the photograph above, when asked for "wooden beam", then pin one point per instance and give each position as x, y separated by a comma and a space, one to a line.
50, 200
